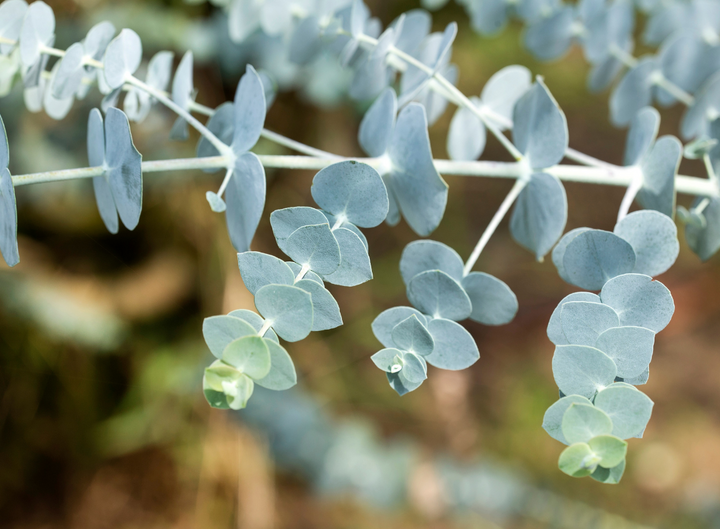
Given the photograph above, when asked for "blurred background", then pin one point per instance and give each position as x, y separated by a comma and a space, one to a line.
102, 418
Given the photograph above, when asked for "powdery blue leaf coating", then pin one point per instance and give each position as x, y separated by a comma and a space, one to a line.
222, 124
355, 267
386, 321
259, 269
249, 110
55, 108
653, 237
595, 256
629, 409
219, 331
8, 218
378, 123
581, 422
454, 348
633, 92
540, 214
70, 72
225, 387
610, 449
305, 42
488, 17
255, 321
659, 169
705, 240
578, 460
610, 476
411, 335
282, 373
558, 253
434, 102
631, 348
122, 58
638, 380
552, 421
421, 256
245, 199
415, 27
124, 168
12, 13
686, 61
370, 79
540, 131
38, 29
332, 220
400, 384
315, 247
439, 296
243, 20
554, 329
493, 302
641, 135
466, 137
606, 71
249, 355
582, 321
639, 301
284, 222
550, 38
414, 368
97, 39
312, 276
696, 122
326, 312
503, 90
217, 204
582, 370
289, 310
101, 184
420, 191
182, 94
388, 360
353, 191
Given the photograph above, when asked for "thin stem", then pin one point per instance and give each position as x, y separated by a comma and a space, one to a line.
302, 273
4, 40
630, 195
674, 90
704, 203
225, 182
519, 185
52, 51
265, 328
623, 56
160, 96
710, 169
585, 159
297, 146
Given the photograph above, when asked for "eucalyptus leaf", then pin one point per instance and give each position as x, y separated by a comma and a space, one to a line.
554, 329
595, 256
454, 347
582, 422
578, 460
411, 335
310, 275
659, 169
639, 301
326, 312
628, 408
284, 222
582, 370
12, 13
502, 91
631, 349
377, 125
552, 421
610, 476
101, 184
582, 322
70, 72
493, 302
245, 199
389, 360
558, 253
219, 331
124, 168
249, 355
122, 58
633, 92
653, 237
8, 218
466, 136
255, 321
386, 321
289, 310
38, 30
705, 240
550, 37
222, 125
421, 256
282, 373
610, 449
439, 296
400, 384
258, 269
315, 247
641, 136
249, 110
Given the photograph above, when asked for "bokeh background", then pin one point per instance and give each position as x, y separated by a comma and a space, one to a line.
102, 418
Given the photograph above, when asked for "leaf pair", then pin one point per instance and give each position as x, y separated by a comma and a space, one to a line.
437, 286
415, 188
644, 242
118, 191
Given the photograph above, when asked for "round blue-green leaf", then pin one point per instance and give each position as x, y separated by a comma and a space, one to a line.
639, 301
182, 95
219, 331
314, 247
245, 199
582, 370
8, 218
454, 347
259, 269
400, 384
503, 90
612, 450
38, 29
12, 13
414, 368
653, 236
352, 191
631, 349
629, 409
355, 267
421, 256
249, 110
578, 461
97, 39
466, 136
284, 222
540, 214
255, 321
610, 476
249, 355
439, 296
411, 335
305, 41
582, 321
581, 422
377, 125
222, 125
282, 373
386, 321
70, 73
633, 92
550, 37
488, 17
707, 102
122, 58
659, 169
558, 252
326, 312
312, 276
124, 168
389, 360
540, 129
641, 136
552, 421
493, 302
595, 256
554, 329
288, 308
638, 380
420, 191
332, 220
705, 240
213, 389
